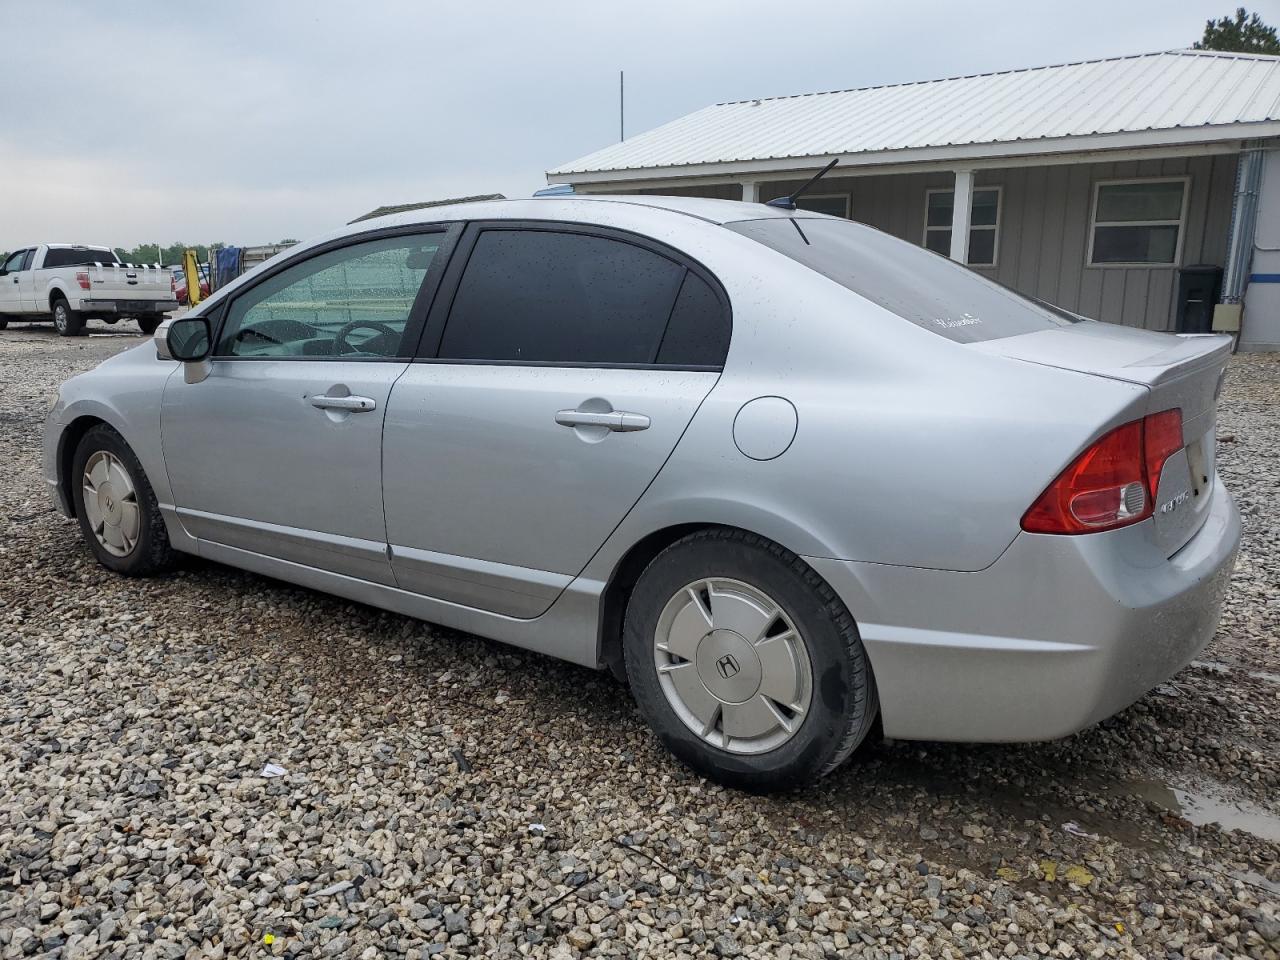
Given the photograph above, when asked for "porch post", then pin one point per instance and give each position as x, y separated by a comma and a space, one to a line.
750, 191
961, 207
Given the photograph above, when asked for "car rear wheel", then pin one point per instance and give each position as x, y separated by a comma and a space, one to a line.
116, 507
66, 321
3, 323
148, 324
745, 663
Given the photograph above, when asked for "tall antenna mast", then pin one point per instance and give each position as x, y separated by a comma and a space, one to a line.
622, 106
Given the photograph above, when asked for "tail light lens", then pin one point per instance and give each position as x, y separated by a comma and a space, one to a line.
82, 278
1113, 483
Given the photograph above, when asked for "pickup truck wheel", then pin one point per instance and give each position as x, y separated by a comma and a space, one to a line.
3, 323
148, 324
66, 321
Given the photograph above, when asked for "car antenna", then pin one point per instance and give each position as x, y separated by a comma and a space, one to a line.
789, 203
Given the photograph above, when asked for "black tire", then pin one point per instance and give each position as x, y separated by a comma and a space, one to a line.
148, 324
68, 322
151, 553
3, 323
844, 703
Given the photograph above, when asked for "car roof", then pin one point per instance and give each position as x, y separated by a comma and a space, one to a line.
586, 208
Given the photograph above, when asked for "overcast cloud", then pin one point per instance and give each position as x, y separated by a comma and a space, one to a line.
248, 122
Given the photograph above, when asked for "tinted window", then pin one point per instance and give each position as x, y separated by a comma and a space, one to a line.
929, 290
64, 257
353, 302
540, 296
26, 260
698, 334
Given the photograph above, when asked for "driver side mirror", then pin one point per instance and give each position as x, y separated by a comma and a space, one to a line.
189, 340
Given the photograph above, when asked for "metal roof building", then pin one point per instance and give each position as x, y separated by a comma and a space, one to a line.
1092, 184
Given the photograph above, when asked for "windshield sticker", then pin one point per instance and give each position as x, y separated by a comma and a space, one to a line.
966, 320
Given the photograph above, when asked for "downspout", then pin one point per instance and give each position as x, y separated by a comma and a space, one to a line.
1244, 219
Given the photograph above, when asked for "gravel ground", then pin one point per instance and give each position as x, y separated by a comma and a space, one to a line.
446, 795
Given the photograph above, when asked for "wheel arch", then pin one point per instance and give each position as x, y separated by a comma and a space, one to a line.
54, 293
626, 572
68, 441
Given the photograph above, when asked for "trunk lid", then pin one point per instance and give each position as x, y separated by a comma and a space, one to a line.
1185, 371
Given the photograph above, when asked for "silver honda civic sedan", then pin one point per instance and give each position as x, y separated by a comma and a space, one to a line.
780, 472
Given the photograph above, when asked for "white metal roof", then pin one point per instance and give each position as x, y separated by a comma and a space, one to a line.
1178, 96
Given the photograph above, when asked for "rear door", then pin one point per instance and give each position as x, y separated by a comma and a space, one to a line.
279, 450
560, 367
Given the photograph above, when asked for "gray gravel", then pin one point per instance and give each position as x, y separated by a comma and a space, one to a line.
443, 795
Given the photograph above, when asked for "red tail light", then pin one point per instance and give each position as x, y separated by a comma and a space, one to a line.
82, 278
1113, 483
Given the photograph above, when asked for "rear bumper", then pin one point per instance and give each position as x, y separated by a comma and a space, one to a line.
129, 307
1057, 634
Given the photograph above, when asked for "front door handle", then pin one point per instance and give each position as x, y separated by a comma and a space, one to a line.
615, 420
349, 404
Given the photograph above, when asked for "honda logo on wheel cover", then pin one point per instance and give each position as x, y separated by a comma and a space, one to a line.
728, 666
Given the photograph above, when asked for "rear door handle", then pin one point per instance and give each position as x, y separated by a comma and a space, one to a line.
615, 420
350, 404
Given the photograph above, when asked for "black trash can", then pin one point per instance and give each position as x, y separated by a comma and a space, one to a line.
1199, 287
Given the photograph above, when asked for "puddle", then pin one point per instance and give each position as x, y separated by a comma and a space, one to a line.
1202, 808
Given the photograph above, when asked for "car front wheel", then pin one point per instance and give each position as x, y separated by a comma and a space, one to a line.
746, 664
116, 507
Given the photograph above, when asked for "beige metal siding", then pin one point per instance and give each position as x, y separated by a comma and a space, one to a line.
1045, 213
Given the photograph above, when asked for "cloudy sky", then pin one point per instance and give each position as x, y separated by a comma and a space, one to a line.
129, 122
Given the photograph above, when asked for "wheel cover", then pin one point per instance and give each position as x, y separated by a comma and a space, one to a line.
733, 666
111, 503
60, 318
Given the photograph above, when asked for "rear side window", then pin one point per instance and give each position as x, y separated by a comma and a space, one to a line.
931, 291
539, 296
72, 257
698, 332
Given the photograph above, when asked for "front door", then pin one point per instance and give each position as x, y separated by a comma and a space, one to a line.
278, 450
569, 366
11, 286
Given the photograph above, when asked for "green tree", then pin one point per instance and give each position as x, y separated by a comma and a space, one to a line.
1245, 34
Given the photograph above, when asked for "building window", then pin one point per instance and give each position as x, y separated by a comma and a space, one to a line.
833, 204
984, 224
1137, 222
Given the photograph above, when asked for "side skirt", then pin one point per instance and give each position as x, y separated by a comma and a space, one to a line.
567, 631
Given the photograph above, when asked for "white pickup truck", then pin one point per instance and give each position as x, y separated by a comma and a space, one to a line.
71, 283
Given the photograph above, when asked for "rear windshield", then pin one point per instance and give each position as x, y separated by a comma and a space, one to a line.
916, 284
77, 256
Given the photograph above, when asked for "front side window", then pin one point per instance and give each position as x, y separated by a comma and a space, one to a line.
935, 293
984, 224
26, 260
540, 296
1137, 222
14, 263
351, 303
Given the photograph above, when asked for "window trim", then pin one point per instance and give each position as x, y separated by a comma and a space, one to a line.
1094, 223
846, 197
994, 227
433, 333
451, 230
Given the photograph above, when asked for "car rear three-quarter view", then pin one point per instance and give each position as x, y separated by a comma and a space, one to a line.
782, 472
